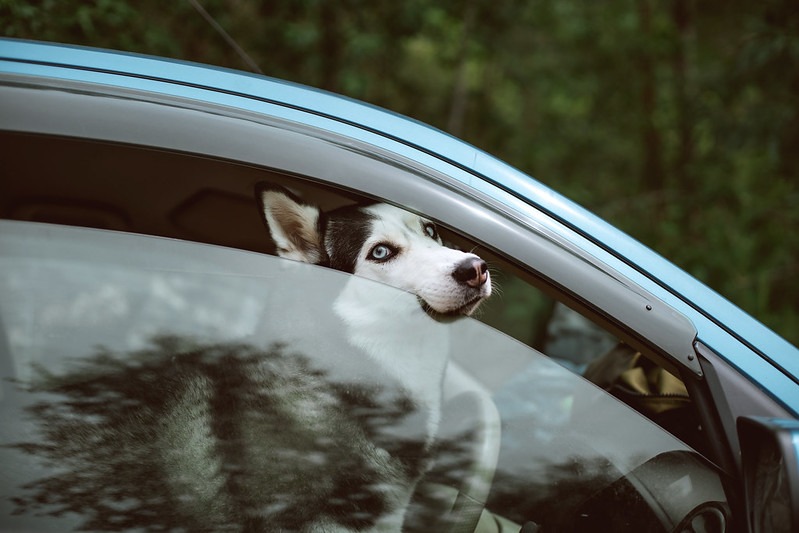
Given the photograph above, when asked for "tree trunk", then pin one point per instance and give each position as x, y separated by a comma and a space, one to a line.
683, 23
652, 168
329, 46
460, 88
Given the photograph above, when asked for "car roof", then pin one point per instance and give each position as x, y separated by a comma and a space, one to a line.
719, 323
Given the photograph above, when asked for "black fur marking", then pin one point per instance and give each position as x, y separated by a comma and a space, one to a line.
346, 231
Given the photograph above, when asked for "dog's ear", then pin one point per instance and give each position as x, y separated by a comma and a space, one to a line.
294, 226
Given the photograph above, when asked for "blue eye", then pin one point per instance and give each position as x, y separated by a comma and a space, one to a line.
430, 230
382, 252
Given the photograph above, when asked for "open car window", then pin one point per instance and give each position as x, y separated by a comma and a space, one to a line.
151, 383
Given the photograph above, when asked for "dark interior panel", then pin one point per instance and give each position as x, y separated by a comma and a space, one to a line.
107, 186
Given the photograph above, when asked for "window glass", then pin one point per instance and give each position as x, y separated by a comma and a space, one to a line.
151, 383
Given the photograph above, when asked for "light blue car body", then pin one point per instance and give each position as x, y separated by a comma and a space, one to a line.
758, 353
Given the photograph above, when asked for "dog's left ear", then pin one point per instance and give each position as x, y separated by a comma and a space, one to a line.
294, 226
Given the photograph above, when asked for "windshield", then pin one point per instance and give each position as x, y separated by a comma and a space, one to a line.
151, 383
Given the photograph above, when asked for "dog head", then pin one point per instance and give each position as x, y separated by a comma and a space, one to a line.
380, 242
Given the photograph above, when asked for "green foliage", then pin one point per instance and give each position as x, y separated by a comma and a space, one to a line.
677, 121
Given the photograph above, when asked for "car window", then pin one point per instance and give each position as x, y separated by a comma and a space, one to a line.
153, 383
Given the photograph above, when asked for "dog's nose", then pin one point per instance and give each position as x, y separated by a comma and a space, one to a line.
473, 272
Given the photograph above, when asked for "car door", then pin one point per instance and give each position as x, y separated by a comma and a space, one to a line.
579, 396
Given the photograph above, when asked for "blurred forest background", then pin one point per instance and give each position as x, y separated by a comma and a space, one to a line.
676, 120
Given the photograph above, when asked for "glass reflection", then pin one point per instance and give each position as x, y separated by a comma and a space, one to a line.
201, 428
152, 385
198, 436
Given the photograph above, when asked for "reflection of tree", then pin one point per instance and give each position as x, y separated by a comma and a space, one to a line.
591, 494
553, 496
215, 437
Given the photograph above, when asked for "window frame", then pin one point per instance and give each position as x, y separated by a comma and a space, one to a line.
139, 118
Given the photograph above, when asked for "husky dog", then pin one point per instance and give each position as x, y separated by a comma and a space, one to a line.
380, 242
403, 332
187, 435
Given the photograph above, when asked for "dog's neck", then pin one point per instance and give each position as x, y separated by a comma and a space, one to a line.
391, 327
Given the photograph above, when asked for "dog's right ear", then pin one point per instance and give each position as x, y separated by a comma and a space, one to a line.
294, 226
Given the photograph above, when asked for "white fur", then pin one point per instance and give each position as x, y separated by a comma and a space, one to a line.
394, 330
423, 266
